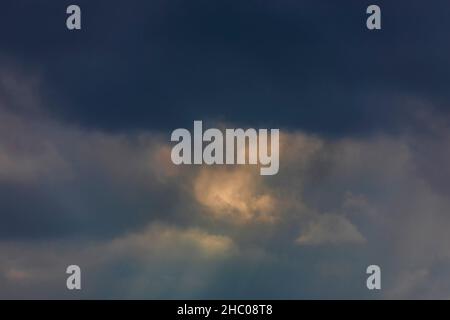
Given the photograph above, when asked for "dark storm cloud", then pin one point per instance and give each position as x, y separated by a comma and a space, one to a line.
299, 64
85, 171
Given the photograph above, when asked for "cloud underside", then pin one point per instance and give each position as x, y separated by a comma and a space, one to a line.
140, 226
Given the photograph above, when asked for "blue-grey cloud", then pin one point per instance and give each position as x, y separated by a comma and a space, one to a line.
85, 171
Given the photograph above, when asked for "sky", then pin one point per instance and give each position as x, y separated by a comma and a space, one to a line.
86, 176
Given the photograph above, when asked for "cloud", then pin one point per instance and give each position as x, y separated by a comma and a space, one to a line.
172, 240
143, 227
182, 259
330, 229
409, 282
15, 275
236, 195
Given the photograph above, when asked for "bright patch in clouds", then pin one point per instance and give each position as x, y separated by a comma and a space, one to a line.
236, 195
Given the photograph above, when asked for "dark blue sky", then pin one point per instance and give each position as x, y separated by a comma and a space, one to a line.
298, 64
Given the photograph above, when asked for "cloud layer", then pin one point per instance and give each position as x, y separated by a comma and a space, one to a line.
85, 170
140, 226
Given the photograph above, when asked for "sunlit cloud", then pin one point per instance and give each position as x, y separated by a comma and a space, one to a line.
236, 195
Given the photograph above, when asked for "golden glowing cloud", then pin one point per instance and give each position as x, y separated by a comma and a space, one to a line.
237, 195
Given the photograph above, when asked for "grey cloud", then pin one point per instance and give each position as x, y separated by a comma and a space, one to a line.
330, 229
142, 227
